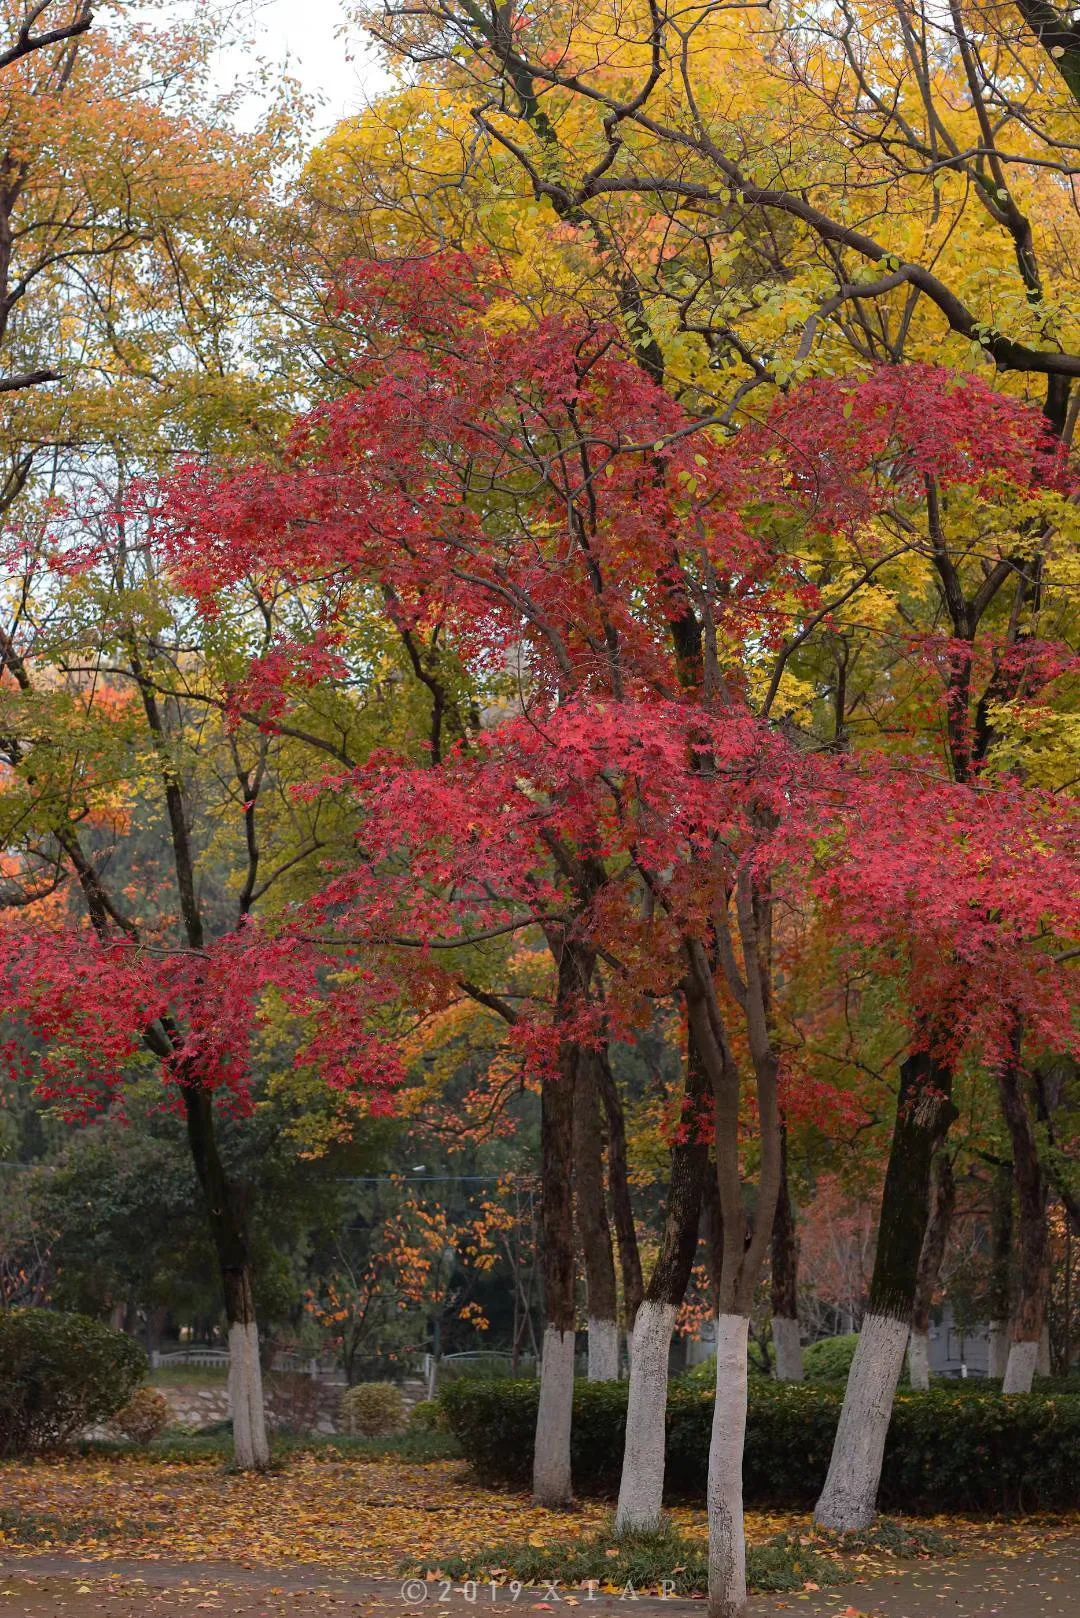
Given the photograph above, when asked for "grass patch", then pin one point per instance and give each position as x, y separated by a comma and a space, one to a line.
188, 1376
650, 1563
48, 1527
887, 1537
667, 1562
215, 1444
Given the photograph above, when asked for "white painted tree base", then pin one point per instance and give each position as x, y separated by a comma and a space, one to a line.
251, 1447
918, 1361
849, 1498
641, 1489
727, 1539
999, 1348
551, 1456
1020, 1371
787, 1344
603, 1350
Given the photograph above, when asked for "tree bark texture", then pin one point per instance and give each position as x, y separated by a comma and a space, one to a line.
924, 1113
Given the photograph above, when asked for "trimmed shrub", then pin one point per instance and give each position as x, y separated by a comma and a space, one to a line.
948, 1451
372, 1410
428, 1416
58, 1374
829, 1359
144, 1417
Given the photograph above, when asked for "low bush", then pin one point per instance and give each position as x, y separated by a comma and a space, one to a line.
427, 1417
948, 1451
372, 1409
58, 1374
829, 1359
144, 1417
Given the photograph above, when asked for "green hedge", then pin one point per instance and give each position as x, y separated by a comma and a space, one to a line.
947, 1451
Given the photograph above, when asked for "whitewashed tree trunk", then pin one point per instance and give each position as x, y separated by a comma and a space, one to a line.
603, 1350
641, 1489
788, 1345
551, 1456
1020, 1371
918, 1359
849, 1497
998, 1350
727, 1539
250, 1444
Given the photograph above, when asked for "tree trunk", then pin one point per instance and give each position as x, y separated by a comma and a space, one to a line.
712, 1234
1000, 1265
619, 1187
918, 1360
1017, 1106
641, 1489
551, 1456
924, 1112
727, 1541
743, 1255
942, 1207
251, 1446
787, 1344
593, 1227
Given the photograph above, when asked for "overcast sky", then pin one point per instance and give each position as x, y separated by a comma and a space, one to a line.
300, 36
303, 35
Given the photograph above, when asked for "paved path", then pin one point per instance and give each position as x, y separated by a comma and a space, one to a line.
1045, 1584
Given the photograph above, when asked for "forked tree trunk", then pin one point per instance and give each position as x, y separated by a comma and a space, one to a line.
787, 1344
251, 1447
924, 1112
1017, 1106
641, 1488
551, 1455
942, 1207
593, 1227
1001, 1238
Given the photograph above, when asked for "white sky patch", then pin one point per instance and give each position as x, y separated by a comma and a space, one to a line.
311, 41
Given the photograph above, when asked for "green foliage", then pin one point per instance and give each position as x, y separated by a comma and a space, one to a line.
947, 1451
372, 1409
428, 1417
144, 1417
829, 1359
58, 1374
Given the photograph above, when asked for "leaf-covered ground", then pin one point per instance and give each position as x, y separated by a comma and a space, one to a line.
360, 1516
365, 1516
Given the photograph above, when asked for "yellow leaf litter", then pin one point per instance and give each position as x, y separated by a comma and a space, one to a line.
351, 1514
